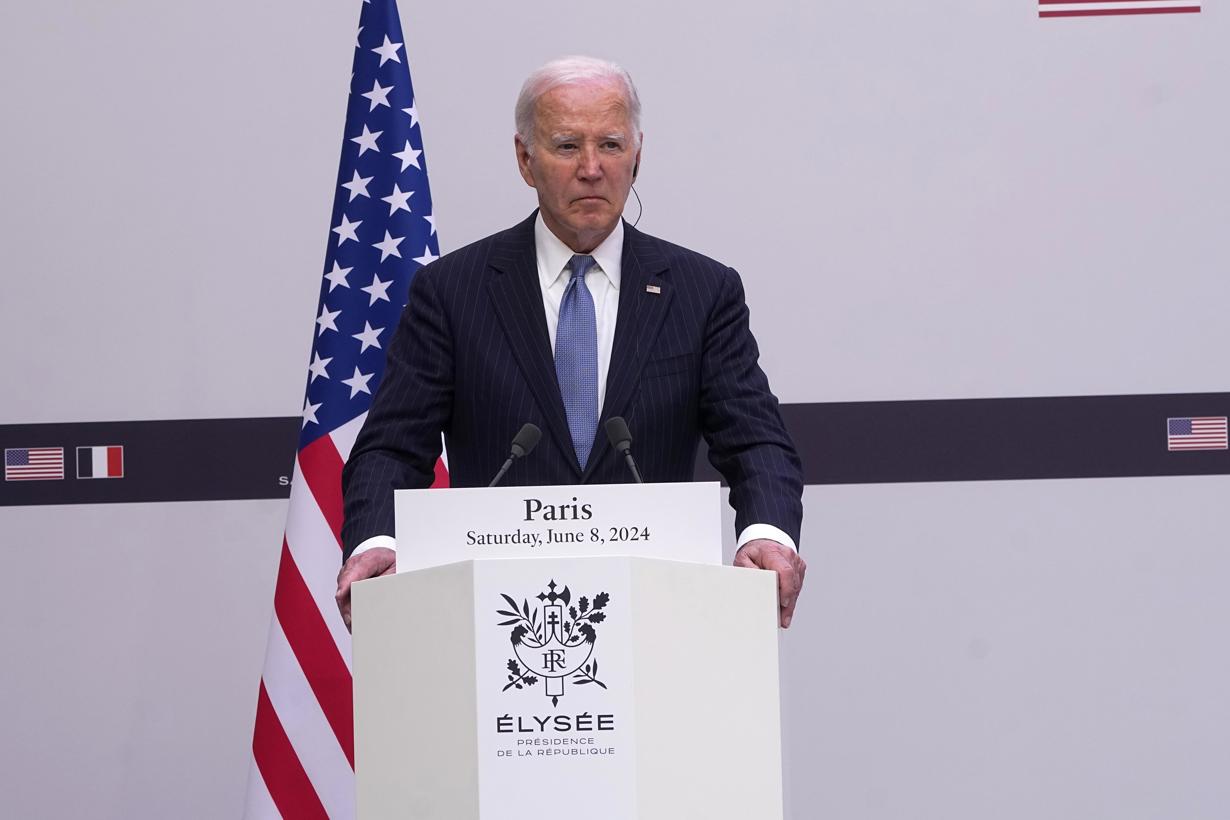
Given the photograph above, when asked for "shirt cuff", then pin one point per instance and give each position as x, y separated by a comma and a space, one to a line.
386, 541
755, 531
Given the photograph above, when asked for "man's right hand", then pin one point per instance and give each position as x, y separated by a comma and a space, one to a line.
367, 564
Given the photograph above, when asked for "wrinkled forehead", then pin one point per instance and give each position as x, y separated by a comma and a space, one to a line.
601, 103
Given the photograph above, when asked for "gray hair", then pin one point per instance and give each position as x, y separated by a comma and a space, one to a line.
567, 70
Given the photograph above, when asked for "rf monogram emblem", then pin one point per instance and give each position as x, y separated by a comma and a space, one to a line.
553, 641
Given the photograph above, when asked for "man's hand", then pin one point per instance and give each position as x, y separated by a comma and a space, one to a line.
790, 568
367, 564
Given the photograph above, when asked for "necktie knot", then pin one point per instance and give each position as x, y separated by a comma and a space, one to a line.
580, 264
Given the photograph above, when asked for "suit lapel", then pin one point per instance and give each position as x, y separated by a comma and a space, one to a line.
517, 299
644, 298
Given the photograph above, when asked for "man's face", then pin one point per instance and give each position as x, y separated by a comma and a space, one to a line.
583, 155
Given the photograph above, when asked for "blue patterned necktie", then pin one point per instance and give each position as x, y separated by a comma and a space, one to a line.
576, 358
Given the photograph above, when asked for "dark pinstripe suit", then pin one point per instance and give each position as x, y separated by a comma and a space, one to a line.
471, 357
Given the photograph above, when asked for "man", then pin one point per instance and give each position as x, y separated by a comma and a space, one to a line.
568, 319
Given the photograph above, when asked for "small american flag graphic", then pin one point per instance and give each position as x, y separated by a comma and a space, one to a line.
33, 463
1107, 8
1196, 433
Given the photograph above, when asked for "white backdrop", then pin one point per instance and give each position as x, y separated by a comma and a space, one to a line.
926, 200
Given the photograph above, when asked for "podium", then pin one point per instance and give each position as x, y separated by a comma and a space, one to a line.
599, 686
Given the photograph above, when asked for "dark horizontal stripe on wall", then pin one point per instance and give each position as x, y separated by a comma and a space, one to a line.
840, 443
186, 460
998, 439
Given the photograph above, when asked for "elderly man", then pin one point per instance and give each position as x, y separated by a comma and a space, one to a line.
565, 320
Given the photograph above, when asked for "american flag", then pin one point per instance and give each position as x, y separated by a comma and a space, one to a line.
1196, 433
1107, 8
382, 231
33, 463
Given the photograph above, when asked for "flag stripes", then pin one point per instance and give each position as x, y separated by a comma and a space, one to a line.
33, 463
322, 469
309, 733
317, 556
1196, 433
441, 471
100, 462
284, 778
318, 656
303, 741
344, 436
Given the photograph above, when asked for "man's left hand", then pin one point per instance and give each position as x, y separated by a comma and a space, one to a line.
790, 568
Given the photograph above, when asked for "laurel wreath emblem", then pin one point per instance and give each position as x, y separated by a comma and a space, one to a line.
530, 630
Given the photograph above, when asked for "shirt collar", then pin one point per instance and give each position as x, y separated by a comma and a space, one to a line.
554, 255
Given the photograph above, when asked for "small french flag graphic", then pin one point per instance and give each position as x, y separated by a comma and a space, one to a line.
100, 462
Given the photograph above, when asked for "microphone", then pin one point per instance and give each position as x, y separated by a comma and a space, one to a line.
522, 445
621, 439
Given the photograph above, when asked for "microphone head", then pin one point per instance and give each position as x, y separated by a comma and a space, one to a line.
618, 434
526, 440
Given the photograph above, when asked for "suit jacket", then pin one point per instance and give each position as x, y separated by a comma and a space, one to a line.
471, 357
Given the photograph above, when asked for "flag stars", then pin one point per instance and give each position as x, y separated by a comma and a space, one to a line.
357, 186
374, 180
388, 246
377, 290
327, 320
388, 51
358, 383
370, 337
337, 276
318, 367
346, 230
367, 141
409, 156
398, 200
379, 95
309, 412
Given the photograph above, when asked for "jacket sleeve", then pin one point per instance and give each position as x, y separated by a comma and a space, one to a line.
401, 440
740, 420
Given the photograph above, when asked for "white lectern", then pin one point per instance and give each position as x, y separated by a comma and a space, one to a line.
603, 687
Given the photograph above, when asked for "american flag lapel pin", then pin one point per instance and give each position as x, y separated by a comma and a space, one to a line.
655, 289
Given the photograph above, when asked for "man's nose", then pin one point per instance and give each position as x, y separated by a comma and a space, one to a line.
589, 164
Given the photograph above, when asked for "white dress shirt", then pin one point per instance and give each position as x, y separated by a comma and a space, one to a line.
603, 283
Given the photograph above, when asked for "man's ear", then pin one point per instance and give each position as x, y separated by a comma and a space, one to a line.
523, 161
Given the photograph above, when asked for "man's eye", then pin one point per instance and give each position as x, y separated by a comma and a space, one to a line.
567, 146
